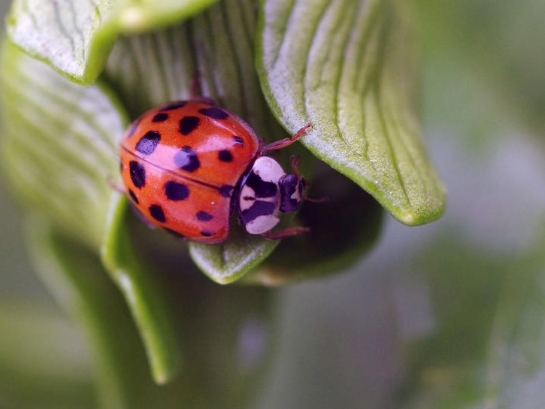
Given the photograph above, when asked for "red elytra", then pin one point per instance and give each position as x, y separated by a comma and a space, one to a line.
182, 163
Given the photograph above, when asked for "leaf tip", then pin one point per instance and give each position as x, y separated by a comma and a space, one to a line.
423, 216
161, 377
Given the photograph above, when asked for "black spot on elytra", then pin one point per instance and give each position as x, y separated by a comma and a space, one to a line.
157, 213
226, 190
214, 112
257, 209
187, 159
204, 216
133, 196
206, 233
188, 124
238, 140
173, 105
147, 144
261, 187
225, 156
137, 173
176, 191
160, 117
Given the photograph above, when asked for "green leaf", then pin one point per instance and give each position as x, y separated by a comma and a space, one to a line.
76, 38
228, 262
142, 290
348, 68
59, 144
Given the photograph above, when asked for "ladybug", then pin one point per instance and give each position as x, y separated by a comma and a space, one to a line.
188, 165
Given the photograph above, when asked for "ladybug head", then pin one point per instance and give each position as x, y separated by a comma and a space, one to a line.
266, 191
291, 192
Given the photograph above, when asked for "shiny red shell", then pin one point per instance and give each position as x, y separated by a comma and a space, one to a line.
180, 164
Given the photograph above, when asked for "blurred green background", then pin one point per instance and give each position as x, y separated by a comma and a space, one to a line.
447, 315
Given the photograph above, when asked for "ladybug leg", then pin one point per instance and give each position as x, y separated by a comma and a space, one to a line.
287, 232
282, 143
